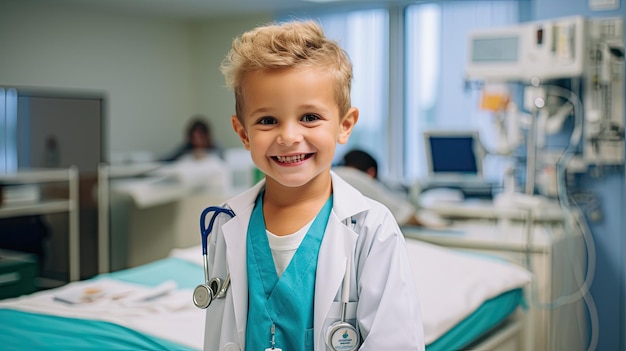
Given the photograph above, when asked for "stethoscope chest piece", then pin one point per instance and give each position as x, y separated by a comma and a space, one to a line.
342, 336
213, 288
202, 296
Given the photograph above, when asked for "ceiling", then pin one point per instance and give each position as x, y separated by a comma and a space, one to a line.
198, 9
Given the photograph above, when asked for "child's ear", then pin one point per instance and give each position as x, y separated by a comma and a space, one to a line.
346, 124
241, 131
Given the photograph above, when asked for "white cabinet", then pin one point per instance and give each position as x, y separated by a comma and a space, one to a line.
36, 205
555, 256
151, 212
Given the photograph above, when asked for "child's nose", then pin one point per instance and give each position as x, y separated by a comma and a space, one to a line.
289, 134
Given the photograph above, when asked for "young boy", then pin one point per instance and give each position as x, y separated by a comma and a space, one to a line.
304, 251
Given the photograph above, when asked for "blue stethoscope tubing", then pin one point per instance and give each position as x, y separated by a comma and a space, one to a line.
213, 288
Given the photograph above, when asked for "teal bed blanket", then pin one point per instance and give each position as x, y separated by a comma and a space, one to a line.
485, 318
23, 330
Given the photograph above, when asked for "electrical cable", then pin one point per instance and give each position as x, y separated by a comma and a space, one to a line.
572, 214
578, 218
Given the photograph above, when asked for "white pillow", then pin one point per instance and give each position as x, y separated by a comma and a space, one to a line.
452, 284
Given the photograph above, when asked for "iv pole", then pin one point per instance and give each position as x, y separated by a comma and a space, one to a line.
538, 102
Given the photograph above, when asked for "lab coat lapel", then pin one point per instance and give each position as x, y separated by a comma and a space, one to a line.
235, 232
338, 244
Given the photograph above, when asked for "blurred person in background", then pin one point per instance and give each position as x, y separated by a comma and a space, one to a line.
360, 170
199, 142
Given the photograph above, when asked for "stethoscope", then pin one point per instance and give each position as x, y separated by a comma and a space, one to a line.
340, 336
213, 288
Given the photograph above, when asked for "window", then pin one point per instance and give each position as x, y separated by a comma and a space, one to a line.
432, 42
8, 130
436, 95
363, 35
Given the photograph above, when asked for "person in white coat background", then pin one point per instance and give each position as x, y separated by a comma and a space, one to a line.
304, 250
360, 169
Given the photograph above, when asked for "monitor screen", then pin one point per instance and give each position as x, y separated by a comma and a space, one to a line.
453, 153
51, 129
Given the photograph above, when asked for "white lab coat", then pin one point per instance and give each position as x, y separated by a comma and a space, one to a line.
383, 294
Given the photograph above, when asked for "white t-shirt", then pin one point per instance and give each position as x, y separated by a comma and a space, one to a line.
284, 247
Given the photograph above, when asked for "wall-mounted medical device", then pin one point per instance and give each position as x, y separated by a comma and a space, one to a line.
589, 51
603, 97
546, 49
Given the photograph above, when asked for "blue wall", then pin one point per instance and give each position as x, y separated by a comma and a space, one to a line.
608, 289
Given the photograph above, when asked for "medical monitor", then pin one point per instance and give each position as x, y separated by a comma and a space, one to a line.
453, 153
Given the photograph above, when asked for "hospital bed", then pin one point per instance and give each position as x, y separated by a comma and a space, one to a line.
467, 300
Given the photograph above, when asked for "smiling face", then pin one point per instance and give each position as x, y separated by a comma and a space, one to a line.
291, 124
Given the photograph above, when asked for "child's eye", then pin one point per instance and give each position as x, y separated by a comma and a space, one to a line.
310, 117
266, 120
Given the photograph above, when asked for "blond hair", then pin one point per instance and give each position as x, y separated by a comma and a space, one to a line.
287, 45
